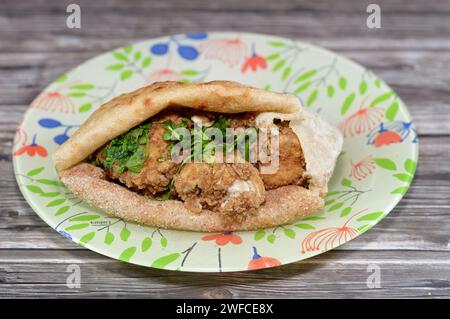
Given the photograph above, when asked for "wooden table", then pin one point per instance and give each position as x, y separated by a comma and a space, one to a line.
411, 52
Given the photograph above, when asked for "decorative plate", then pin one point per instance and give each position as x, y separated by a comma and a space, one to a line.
373, 172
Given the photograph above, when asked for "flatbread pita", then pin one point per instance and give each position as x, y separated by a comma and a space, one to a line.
321, 144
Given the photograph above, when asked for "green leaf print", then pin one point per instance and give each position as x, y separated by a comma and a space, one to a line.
363, 228
391, 111
62, 210
126, 74
342, 83
346, 211
278, 65
163, 242
49, 182
304, 76
385, 163
277, 44
77, 94
260, 234
271, 238
346, 182
313, 218
109, 238
377, 83
304, 226
35, 171
189, 72
84, 218
272, 57
127, 254
403, 177
61, 79
335, 207
34, 189
87, 238
85, 107
400, 190
347, 103
146, 62
330, 90
382, 98
125, 233
410, 166
120, 56
362, 87
128, 49
302, 87
77, 226
137, 56
286, 73
82, 86
163, 261
50, 194
371, 216
289, 233
56, 202
146, 244
115, 67
312, 98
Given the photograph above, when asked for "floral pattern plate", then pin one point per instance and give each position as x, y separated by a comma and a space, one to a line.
373, 171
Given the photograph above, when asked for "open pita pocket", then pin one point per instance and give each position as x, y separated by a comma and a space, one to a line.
318, 142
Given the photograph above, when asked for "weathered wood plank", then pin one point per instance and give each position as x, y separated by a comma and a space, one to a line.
419, 221
399, 6
420, 78
308, 20
410, 52
41, 273
414, 228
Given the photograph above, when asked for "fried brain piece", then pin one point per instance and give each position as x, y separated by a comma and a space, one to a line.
292, 163
230, 189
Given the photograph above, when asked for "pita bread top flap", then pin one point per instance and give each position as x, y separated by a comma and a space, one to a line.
128, 110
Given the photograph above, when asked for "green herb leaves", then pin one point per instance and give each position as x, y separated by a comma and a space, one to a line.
128, 151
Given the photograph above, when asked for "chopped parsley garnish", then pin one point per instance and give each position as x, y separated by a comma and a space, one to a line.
203, 145
128, 151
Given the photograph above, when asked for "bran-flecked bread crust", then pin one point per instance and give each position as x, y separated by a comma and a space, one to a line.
321, 144
128, 110
283, 205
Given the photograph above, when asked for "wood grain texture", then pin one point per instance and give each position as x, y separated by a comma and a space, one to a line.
411, 52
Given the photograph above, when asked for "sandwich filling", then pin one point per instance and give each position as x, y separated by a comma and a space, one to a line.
145, 160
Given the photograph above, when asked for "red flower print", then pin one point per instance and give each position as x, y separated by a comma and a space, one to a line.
53, 101
32, 149
362, 121
229, 51
259, 262
224, 239
163, 75
328, 238
388, 133
254, 62
387, 138
363, 168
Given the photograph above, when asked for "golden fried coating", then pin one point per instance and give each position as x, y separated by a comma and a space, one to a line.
231, 189
291, 162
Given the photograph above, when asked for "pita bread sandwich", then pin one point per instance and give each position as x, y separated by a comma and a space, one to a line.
125, 159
